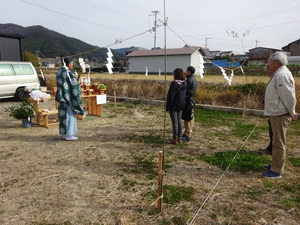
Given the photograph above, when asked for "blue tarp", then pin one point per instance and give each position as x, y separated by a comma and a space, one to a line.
225, 63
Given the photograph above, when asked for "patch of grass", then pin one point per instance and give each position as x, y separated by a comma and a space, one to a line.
288, 192
293, 202
243, 130
295, 161
145, 166
268, 184
243, 163
295, 128
254, 192
185, 158
180, 220
215, 118
128, 183
292, 187
175, 194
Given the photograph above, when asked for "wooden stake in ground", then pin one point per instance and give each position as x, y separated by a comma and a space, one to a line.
160, 180
115, 99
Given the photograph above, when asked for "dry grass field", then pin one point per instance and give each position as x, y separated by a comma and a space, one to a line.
109, 176
245, 91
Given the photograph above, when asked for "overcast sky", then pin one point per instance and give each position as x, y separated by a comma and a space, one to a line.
236, 25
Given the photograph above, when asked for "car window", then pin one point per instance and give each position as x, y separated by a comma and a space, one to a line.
23, 69
6, 70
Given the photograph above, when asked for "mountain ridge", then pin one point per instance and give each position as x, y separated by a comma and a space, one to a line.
51, 44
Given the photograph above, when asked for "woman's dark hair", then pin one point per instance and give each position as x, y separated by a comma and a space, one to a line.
178, 74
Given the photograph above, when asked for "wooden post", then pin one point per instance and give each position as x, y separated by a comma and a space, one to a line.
244, 108
115, 99
160, 180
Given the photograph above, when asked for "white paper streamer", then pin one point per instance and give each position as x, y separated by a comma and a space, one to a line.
229, 79
159, 72
146, 72
89, 78
201, 66
42, 74
242, 70
37, 95
82, 64
67, 69
109, 65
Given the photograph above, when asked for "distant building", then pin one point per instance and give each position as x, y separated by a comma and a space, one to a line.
153, 61
293, 48
294, 60
227, 53
11, 48
216, 53
260, 55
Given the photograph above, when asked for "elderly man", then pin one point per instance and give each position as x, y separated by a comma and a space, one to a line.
280, 103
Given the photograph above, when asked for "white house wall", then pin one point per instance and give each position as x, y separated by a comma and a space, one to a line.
154, 63
195, 62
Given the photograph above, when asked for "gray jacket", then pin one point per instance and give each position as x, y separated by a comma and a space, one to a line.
280, 97
192, 85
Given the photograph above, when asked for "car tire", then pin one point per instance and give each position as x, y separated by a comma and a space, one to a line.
20, 94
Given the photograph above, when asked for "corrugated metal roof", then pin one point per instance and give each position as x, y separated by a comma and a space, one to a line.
160, 52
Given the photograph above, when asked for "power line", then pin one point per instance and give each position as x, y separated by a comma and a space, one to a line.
72, 17
248, 17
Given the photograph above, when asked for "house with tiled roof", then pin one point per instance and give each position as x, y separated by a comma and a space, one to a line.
260, 55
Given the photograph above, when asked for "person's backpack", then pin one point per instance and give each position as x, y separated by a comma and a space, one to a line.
188, 111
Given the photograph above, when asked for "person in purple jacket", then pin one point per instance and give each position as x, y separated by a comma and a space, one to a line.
175, 104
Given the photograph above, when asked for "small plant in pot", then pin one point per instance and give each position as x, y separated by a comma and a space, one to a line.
102, 89
22, 111
101, 86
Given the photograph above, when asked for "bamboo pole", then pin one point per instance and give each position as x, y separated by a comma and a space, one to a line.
160, 180
115, 99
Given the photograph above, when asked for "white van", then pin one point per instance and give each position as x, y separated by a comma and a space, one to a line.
15, 77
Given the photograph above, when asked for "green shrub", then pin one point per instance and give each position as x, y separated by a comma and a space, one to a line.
22, 110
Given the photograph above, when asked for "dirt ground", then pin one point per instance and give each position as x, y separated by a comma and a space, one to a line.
94, 180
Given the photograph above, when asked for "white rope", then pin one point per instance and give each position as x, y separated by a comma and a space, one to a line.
208, 196
116, 42
236, 68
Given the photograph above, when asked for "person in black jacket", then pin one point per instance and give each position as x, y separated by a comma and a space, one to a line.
175, 103
192, 85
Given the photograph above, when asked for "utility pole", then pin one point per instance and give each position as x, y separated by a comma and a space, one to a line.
206, 41
256, 42
155, 12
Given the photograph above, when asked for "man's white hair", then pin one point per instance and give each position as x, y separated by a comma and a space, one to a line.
280, 57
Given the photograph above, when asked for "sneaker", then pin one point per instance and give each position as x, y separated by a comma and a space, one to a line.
70, 138
184, 135
186, 138
271, 174
268, 167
